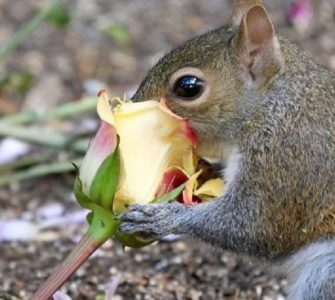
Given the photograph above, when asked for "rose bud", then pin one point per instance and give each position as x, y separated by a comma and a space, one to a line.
142, 153
156, 149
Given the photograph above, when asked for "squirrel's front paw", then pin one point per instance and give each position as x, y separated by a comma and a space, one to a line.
155, 220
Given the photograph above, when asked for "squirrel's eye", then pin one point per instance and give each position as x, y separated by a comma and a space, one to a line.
188, 87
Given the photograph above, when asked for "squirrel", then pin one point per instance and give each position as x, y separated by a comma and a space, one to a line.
265, 112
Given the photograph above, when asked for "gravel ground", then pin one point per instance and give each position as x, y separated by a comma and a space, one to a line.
177, 269
112, 44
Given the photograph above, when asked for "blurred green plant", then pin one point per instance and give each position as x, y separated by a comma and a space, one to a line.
65, 111
37, 130
59, 17
118, 33
27, 28
16, 81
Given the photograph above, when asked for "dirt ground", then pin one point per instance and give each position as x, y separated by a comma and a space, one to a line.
112, 44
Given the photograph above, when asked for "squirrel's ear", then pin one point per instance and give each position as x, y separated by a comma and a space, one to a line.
258, 45
241, 7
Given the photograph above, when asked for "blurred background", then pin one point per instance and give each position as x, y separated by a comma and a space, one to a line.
54, 58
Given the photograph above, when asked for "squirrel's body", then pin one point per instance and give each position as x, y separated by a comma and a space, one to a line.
266, 112
294, 122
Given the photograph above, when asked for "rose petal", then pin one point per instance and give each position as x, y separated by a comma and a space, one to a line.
191, 185
189, 133
151, 141
211, 188
102, 145
104, 108
190, 162
172, 178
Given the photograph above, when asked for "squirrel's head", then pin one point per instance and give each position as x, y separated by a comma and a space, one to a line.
212, 79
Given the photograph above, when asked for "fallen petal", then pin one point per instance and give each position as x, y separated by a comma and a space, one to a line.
300, 14
10, 149
51, 210
60, 296
18, 230
77, 217
112, 286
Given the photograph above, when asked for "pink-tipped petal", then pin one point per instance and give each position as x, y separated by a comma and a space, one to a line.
188, 131
188, 194
190, 134
104, 109
172, 178
101, 146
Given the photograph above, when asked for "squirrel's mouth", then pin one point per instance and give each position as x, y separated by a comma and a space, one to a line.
209, 170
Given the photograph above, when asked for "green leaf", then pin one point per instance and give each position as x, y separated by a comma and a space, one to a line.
17, 81
59, 17
106, 180
134, 240
82, 199
170, 196
118, 33
89, 217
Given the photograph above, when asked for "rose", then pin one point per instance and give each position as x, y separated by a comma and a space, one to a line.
141, 153
153, 159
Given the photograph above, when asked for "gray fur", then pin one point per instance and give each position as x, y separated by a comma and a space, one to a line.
311, 272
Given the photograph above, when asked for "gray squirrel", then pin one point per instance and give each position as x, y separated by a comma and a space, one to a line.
264, 110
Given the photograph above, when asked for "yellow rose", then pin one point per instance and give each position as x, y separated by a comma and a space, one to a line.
156, 151
141, 153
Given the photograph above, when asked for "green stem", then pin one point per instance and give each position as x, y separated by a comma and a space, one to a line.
20, 118
27, 29
38, 171
74, 108
79, 254
43, 137
26, 161
68, 110
102, 227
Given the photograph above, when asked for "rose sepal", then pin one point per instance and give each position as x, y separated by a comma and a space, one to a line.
101, 219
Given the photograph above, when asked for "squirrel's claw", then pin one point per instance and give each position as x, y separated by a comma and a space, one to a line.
154, 219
